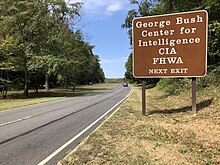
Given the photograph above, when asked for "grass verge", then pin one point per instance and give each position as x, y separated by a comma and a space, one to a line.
16, 99
170, 134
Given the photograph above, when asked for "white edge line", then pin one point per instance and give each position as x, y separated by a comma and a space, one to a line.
84, 140
79, 134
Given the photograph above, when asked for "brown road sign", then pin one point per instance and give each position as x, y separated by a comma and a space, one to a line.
172, 45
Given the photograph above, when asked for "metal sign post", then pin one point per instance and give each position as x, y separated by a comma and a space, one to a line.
194, 95
143, 98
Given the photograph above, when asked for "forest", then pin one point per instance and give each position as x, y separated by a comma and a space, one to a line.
41, 48
159, 7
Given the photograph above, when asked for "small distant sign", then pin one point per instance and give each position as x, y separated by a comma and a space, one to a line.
171, 45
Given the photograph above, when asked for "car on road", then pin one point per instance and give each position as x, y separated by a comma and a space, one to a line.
124, 84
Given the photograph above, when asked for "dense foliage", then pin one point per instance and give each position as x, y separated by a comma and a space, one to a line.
156, 7
38, 45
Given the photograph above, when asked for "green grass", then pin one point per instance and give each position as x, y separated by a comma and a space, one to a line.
16, 99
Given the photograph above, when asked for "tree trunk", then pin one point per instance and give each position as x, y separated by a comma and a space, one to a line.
26, 82
36, 84
5, 93
46, 81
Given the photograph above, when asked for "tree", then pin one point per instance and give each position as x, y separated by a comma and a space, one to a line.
36, 28
129, 69
19, 21
144, 9
38, 37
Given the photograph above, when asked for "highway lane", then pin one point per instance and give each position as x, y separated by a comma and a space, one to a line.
30, 134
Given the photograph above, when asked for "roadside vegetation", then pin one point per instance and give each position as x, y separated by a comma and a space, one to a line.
40, 46
16, 99
170, 134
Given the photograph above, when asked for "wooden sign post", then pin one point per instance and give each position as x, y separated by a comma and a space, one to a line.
171, 45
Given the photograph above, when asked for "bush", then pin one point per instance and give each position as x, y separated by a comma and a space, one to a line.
174, 86
211, 79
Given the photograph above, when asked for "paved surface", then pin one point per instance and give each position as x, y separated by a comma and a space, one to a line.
30, 134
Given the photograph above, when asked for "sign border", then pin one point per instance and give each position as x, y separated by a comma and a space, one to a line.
206, 39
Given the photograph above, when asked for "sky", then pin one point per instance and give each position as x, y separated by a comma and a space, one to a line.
101, 25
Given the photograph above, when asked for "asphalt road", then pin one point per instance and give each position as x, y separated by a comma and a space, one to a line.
30, 134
